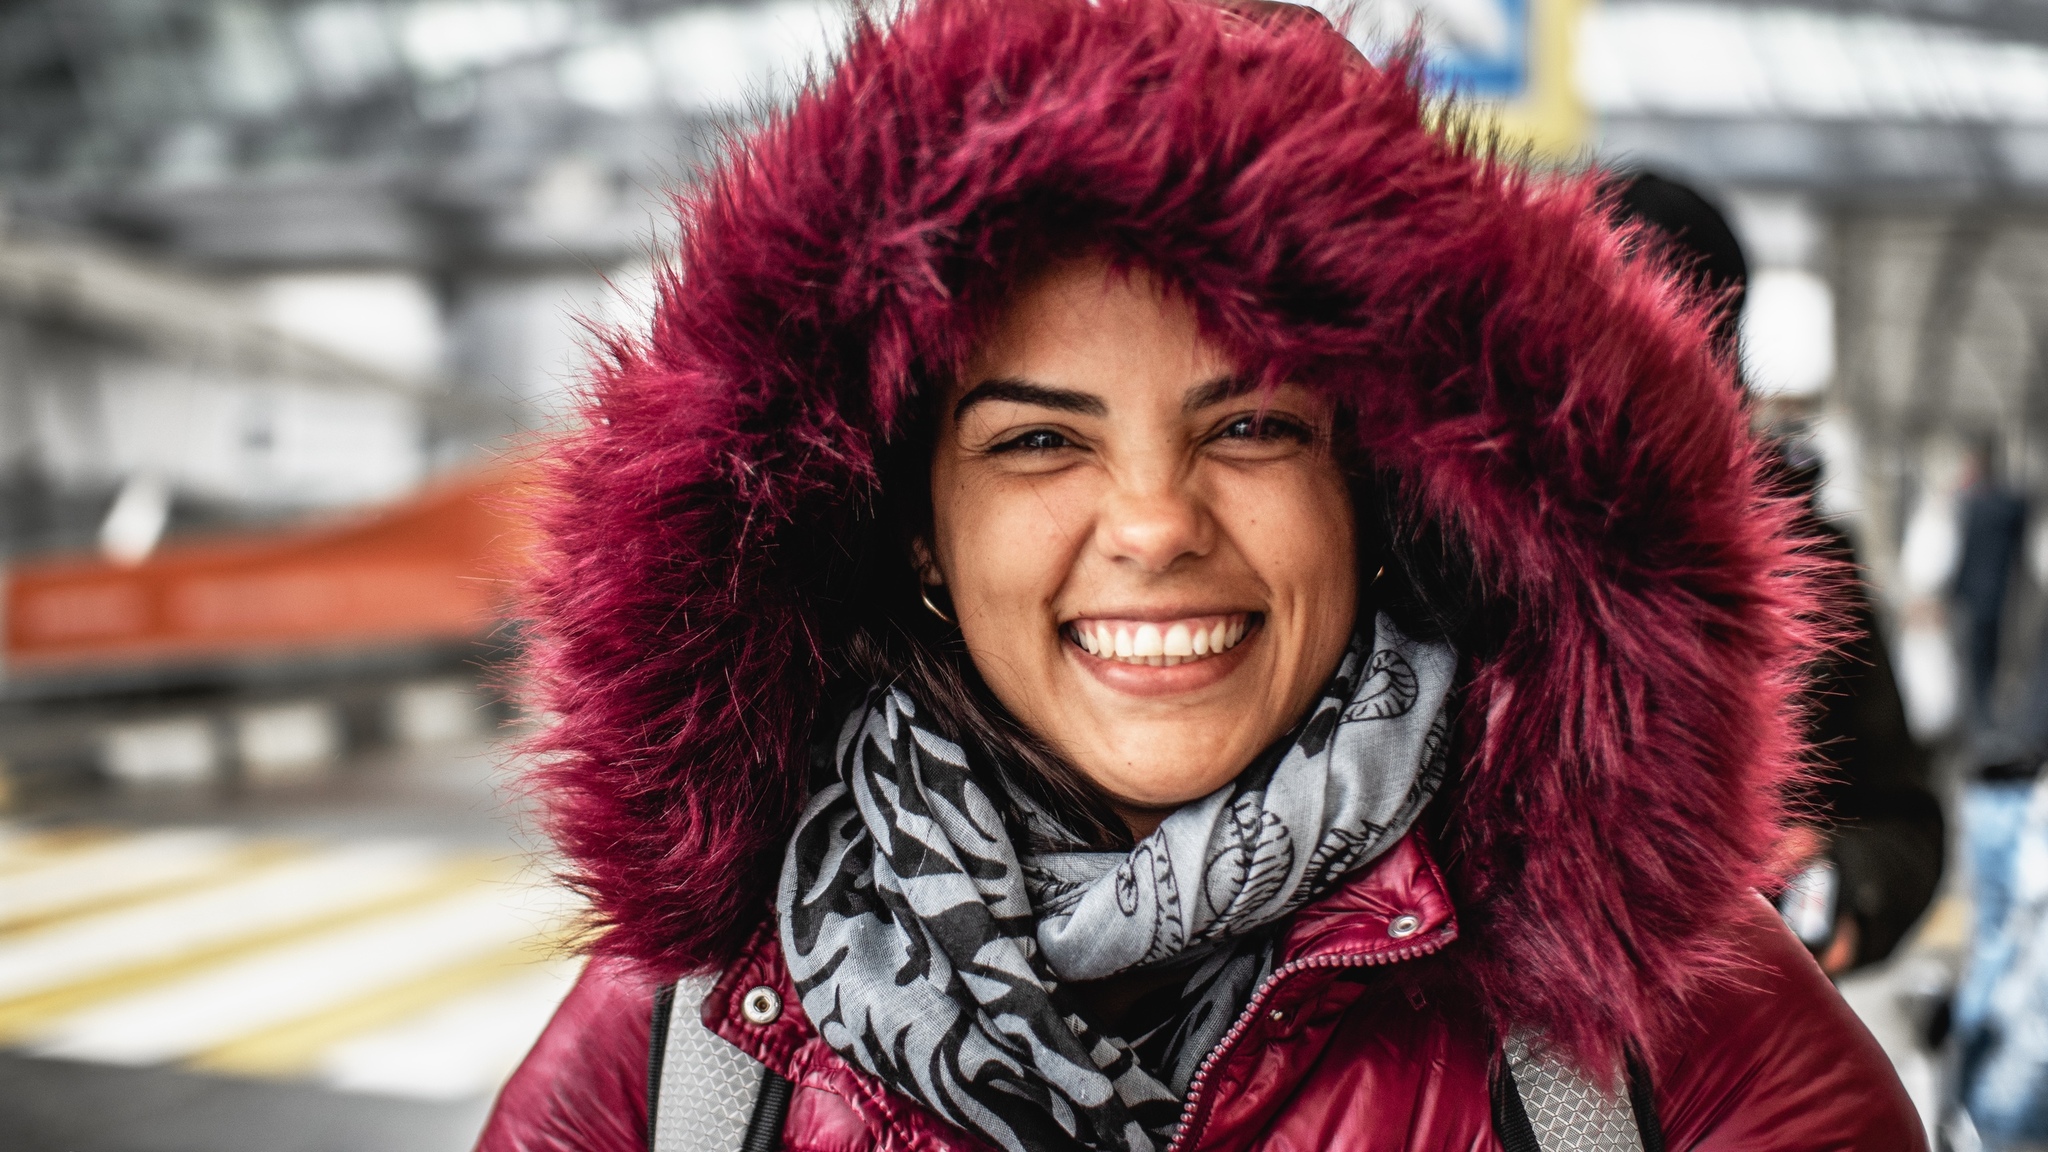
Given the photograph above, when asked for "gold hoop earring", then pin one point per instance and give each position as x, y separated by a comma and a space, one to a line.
924, 593
1376, 576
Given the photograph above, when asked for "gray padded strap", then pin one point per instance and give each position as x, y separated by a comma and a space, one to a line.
1568, 1112
707, 1086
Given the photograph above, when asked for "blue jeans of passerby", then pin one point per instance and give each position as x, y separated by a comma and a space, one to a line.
2001, 1010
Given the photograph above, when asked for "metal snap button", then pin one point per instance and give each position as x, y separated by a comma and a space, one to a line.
1403, 926
761, 1006
1276, 1014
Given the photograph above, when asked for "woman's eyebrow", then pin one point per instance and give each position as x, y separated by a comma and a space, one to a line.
1216, 391
1025, 392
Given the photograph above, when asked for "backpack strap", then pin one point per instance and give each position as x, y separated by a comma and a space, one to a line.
703, 1094
1542, 1104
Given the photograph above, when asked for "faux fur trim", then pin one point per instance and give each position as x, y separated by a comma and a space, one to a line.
1553, 410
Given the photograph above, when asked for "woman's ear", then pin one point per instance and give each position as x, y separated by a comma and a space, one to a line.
930, 580
926, 564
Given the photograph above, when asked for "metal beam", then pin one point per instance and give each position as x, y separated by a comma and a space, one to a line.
2025, 20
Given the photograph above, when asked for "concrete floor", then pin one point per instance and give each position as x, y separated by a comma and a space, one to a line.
56, 1106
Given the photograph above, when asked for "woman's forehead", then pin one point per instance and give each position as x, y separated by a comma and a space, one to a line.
1083, 321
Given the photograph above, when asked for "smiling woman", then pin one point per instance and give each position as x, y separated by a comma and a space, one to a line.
1104, 492
1140, 597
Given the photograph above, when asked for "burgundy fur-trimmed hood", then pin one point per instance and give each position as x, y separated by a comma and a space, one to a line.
1550, 410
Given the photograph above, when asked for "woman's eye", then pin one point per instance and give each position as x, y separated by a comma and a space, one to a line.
1266, 428
1036, 440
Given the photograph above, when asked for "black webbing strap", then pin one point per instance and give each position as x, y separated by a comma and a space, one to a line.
771, 1108
1643, 1103
657, 1051
1510, 1119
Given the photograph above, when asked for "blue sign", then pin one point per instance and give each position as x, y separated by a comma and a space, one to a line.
1472, 47
1478, 47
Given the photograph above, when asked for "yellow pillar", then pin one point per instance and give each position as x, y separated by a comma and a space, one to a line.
1548, 117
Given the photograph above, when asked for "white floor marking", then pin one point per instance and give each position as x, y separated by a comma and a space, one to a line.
459, 1050
130, 864
285, 983
291, 892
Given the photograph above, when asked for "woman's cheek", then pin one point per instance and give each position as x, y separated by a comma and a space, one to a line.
1294, 527
1013, 549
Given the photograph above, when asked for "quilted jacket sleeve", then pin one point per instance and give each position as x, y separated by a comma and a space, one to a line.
583, 1088
1777, 1062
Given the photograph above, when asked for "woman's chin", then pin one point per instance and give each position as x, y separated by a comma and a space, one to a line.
1149, 680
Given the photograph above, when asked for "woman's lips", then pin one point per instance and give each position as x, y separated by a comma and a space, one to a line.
1159, 643
1223, 644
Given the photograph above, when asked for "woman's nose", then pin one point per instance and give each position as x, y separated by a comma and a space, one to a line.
1154, 528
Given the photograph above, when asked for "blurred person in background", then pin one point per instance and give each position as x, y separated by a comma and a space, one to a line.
1138, 596
1882, 823
2001, 1008
1994, 519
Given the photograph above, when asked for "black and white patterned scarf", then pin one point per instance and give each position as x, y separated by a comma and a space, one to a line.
931, 955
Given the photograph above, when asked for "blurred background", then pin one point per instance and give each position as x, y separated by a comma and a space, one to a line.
288, 287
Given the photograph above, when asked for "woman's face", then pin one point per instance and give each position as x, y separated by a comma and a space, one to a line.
1152, 566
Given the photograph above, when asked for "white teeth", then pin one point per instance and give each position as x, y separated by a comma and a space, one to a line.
1147, 642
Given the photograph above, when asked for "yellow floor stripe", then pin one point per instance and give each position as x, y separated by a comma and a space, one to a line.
232, 866
293, 1048
1947, 927
23, 1014
35, 849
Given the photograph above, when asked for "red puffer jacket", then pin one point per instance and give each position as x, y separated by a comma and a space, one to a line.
1349, 1046
1544, 418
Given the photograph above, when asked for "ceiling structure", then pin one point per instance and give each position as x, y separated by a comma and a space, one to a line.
1854, 105
459, 133
429, 132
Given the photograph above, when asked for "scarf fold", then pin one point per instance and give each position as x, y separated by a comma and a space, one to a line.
932, 954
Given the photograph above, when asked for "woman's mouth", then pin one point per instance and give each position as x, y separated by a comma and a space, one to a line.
1160, 643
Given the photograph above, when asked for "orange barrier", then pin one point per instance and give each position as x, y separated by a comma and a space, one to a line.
436, 567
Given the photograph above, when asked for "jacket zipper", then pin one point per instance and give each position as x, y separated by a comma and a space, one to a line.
1257, 1003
